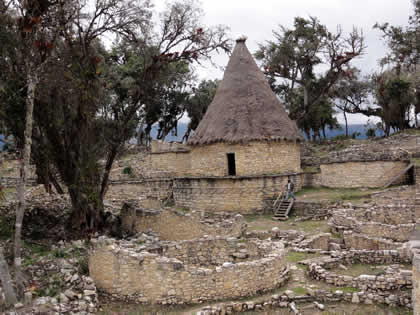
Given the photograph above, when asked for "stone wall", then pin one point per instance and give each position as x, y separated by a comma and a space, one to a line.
158, 189
254, 158
398, 229
171, 163
311, 209
175, 225
392, 279
253, 194
159, 146
128, 269
271, 305
360, 241
361, 174
313, 179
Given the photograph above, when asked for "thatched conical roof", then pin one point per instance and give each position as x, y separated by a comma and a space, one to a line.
244, 107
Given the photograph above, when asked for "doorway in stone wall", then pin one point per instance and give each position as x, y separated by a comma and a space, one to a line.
231, 164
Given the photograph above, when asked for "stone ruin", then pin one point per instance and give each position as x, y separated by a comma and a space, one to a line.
172, 224
147, 270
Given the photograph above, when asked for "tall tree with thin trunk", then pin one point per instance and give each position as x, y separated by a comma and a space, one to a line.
34, 26
297, 58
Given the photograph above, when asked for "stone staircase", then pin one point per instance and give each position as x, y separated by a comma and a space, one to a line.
282, 209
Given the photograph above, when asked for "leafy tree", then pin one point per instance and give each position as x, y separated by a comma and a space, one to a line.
394, 96
351, 95
320, 117
198, 103
297, 57
90, 100
404, 52
30, 29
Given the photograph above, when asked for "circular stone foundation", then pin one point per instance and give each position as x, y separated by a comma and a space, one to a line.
191, 271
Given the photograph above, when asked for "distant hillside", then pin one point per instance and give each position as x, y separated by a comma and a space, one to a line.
182, 128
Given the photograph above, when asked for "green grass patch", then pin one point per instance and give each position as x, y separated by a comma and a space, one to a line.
416, 161
334, 194
256, 217
300, 291
311, 169
295, 257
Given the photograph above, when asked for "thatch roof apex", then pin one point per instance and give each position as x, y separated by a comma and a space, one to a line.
244, 108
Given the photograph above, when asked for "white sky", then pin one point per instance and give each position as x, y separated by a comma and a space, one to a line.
256, 19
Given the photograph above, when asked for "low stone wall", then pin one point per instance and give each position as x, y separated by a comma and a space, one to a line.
318, 241
343, 219
392, 279
271, 304
360, 241
370, 174
129, 269
311, 209
174, 225
395, 256
253, 194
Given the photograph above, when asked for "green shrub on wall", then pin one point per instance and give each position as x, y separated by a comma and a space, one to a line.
127, 170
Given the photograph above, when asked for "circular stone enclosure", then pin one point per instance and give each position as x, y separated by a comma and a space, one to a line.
190, 271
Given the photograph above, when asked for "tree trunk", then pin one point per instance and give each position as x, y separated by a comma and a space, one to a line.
87, 207
110, 161
6, 282
57, 186
140, 134
30, 99
347, 126
305, 99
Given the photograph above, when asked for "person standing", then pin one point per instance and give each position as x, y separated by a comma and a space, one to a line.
290, 190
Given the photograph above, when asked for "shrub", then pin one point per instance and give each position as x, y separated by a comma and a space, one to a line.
83, 265
127, 170
371, 133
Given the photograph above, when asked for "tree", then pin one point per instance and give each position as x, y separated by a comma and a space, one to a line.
198, 103
33, 27
91, 99
297, 57
320, 117
404, 52
351, 95
394, 96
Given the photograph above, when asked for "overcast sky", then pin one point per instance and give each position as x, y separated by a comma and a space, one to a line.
257, 18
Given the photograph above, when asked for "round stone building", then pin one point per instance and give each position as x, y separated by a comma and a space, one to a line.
246, 130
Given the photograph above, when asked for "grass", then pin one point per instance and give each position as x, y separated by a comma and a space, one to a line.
300, 291
334, 194
416, 161
310, 169
265, 222
356, 270
295, 257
